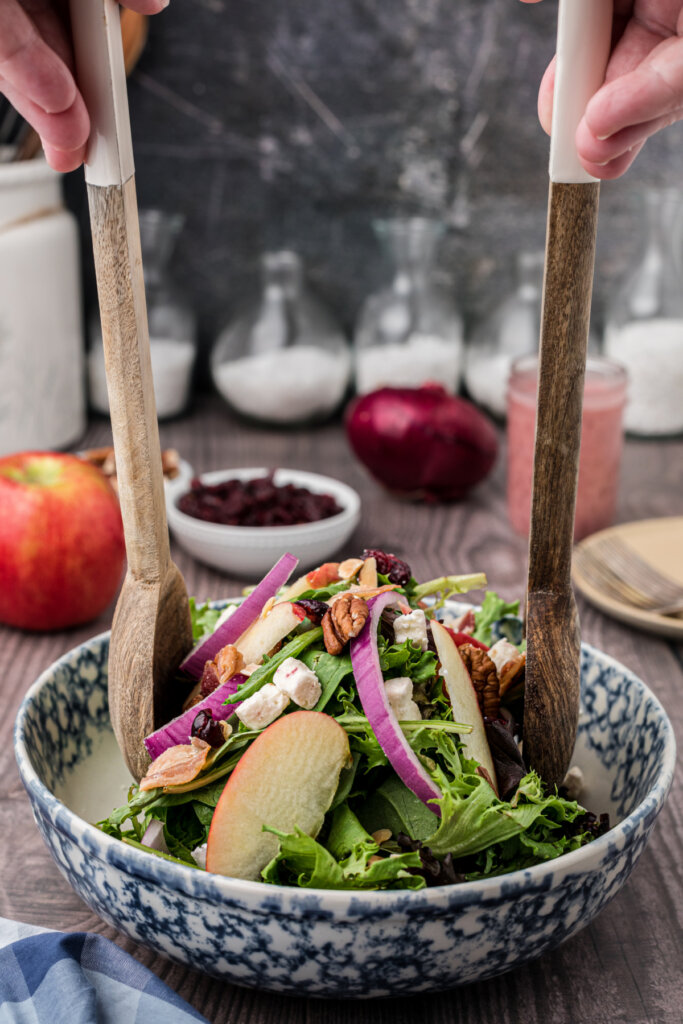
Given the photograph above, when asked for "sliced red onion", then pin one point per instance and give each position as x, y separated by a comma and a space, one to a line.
154, 836
179, 729
240, 620
370, 684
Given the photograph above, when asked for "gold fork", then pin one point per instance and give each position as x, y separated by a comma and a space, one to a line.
618, 570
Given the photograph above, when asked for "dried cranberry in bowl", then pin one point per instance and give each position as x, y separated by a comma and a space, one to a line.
256, 502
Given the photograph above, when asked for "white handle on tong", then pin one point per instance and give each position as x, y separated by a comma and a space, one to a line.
101, 76
584, 36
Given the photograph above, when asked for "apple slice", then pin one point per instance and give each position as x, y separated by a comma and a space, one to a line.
463, 698
296, 589
263, 634
287, 777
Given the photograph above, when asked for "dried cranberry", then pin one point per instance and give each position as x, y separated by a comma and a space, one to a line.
400, 573
389, 565
258, 502
314, 609
210, 679
204, 728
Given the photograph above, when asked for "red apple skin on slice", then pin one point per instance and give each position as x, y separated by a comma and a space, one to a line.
463, 698
264, 634
287, 777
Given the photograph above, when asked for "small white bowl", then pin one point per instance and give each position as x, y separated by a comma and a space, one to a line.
251, 550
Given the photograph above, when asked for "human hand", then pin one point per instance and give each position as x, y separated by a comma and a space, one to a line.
36, 74
643, 88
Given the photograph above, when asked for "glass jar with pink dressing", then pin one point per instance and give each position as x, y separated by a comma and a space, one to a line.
601, 443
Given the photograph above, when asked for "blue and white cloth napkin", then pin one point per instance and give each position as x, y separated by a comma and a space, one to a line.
49, 977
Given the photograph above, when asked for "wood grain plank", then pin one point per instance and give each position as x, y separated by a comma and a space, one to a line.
624, 968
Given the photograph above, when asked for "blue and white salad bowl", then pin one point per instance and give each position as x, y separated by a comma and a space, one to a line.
332, 943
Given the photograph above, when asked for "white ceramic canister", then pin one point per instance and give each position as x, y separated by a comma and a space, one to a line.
42, 401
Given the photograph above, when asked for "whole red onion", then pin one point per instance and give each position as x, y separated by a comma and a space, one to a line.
422, 442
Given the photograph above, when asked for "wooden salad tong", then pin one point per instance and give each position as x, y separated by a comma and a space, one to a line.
151, 631
552, 691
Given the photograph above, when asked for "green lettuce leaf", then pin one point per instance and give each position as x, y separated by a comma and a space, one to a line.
330, 670
447, 587
406, 659
473, 818
492, 609
324, 593
392, 805
203, 619
344, 863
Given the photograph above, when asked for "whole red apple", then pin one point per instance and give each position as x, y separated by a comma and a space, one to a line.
61, 541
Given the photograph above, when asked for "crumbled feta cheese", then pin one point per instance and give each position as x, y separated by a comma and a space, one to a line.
411, 627
199, 855
573, 782
502, 652
263, 708
299, 682
400, 696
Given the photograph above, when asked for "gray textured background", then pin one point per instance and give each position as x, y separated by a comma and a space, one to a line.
294, 124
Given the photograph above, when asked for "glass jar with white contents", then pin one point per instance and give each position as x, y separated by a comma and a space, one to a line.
172, 323
509, 332
644, 328
411, 332
285, 360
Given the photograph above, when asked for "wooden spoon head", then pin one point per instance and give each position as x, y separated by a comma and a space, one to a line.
151, 634
552, 684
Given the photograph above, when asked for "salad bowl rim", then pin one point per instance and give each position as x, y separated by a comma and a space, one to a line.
154, 869
348, 497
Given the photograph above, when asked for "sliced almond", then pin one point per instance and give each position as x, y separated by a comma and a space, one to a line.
366, 592
368, 574
349, 568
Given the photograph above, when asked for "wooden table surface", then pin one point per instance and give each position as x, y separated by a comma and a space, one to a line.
627, 966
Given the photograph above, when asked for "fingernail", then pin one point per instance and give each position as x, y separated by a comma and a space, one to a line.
601, 138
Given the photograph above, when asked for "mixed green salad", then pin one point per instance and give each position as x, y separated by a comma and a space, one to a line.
349, 731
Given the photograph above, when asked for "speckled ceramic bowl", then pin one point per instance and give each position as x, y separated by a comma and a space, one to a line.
326, 943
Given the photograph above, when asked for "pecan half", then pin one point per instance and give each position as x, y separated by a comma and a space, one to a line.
105, 460
343, 621
484, 678
228, 662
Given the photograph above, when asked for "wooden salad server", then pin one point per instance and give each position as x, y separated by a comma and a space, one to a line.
551, 703
151, 631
